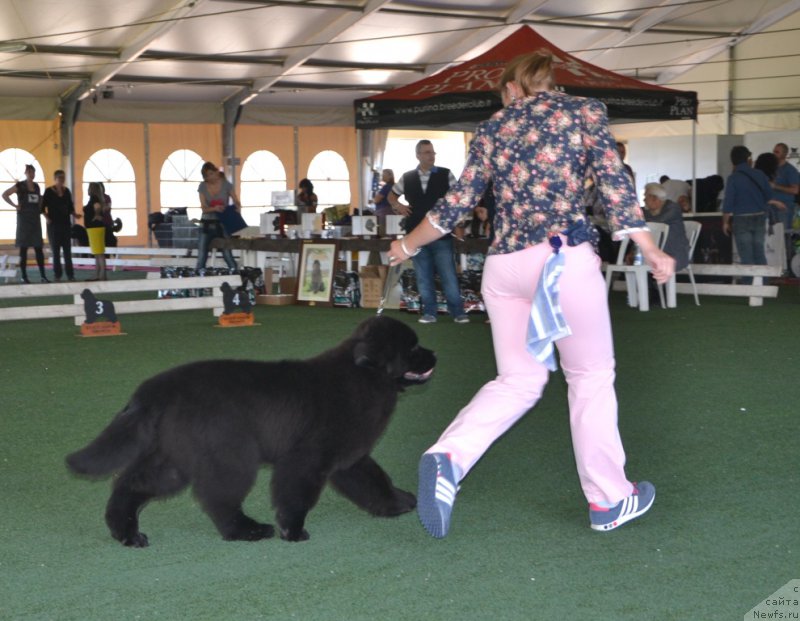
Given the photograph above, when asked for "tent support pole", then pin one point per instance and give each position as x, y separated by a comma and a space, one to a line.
361, 170
148, 196
731, 78
694, 166
232, 110
68, 113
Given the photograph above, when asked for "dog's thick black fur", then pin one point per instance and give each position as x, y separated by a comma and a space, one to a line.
212, 425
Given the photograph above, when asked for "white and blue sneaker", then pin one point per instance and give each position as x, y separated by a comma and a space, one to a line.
627, 509
437, 493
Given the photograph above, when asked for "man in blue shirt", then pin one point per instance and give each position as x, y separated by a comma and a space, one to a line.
746, 194
785, 188
786, 184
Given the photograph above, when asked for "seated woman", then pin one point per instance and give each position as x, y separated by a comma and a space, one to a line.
659, 209
215, 193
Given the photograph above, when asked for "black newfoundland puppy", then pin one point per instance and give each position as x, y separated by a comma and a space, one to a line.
212, 424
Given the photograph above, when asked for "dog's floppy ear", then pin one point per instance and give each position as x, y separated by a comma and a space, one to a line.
371, 358
374, 346
361, 355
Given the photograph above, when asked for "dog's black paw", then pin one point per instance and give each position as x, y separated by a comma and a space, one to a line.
401, 503
406, 501
261, 531
137, 540
294, 534
254, 531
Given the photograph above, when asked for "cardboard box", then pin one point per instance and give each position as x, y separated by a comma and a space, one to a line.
288, 284
374, 271
268, 276
277, 299
373, 279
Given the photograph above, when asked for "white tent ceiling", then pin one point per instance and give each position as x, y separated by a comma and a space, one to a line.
327, 53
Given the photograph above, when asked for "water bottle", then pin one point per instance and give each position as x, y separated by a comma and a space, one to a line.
637, 258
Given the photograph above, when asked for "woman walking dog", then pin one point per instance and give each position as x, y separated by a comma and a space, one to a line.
541, 276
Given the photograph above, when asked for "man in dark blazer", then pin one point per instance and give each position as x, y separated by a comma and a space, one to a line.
422, 187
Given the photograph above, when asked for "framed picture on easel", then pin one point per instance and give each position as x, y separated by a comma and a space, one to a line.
317, 268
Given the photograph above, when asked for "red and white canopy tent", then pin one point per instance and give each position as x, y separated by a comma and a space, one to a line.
461, 96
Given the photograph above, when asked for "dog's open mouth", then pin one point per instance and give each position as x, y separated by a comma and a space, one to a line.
418, 377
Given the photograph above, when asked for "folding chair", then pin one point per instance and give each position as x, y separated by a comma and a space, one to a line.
692, 234
636, 275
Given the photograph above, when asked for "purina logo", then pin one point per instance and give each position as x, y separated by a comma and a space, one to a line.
367, 110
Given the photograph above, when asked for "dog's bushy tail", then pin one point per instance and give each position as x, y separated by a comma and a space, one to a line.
116, 446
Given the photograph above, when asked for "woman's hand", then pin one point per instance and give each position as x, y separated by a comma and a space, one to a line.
661, 264
410, 245
397, 253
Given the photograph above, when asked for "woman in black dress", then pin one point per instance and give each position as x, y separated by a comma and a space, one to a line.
29, 224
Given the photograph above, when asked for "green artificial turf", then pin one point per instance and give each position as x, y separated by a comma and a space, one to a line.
708, 412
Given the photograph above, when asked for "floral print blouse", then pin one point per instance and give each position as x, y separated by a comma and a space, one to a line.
538, 150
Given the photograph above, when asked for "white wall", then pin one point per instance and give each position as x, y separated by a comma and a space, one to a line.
672, 156
762, 142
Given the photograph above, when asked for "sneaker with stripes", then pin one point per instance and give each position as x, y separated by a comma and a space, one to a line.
627, 509
437, 493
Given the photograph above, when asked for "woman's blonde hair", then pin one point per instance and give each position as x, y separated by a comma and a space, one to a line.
532, 72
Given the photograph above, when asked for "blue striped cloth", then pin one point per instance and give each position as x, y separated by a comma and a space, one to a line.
547, 324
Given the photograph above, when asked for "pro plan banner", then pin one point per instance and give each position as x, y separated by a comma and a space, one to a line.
468, 93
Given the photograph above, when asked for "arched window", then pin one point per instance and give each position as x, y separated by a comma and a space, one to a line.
111, 168
328, 172
180, 176
262, 174
12, 169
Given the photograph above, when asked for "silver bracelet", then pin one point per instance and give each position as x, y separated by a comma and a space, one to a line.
408, 254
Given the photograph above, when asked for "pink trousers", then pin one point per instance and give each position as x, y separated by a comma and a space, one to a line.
586, 358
